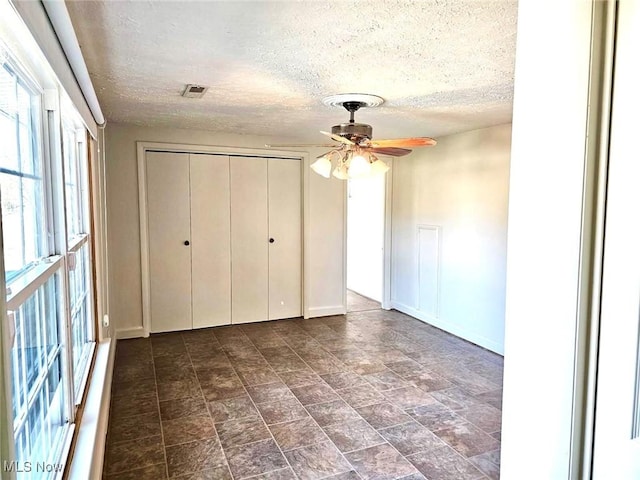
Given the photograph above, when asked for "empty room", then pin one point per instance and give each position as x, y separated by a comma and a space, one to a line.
317, 240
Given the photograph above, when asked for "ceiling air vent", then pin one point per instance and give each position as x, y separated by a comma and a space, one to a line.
194, 91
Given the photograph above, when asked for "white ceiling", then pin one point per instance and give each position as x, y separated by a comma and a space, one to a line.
443, 66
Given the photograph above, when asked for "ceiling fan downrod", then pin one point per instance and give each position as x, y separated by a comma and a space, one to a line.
352, 108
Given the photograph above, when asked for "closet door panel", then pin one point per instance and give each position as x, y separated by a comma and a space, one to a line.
168, 214
285, 227
210, 240
249, 240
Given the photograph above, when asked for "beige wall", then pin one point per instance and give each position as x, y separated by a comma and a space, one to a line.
325, 240
460, 188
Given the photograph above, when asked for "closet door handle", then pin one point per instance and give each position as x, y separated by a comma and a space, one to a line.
186, 242
271, 240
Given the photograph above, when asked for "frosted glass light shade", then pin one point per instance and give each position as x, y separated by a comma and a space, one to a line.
322, 166
379, 167
359, 166
341, 172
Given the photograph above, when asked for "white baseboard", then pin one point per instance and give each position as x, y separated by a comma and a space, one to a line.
88, 456
327, 311
134, 332
452, 328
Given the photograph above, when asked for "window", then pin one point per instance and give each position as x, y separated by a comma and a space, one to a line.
20, 174
48, 266
77, 213
37, 361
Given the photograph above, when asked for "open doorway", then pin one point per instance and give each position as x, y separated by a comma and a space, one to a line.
365, 243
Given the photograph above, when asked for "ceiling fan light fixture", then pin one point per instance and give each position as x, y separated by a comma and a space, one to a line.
359, 166
378, 167
340, 172
322, 166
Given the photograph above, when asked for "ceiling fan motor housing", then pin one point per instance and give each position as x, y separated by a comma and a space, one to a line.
353, 131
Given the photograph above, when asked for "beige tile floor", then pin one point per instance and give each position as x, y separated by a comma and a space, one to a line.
370, 395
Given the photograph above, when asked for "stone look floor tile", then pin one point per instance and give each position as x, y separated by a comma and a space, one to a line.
488, 463
444, 463
299, 378
343, 380
220, 473
422, 393
329, 413
258, 376
429, 381
353, 435
380, 462
243, 431
194, 457
361, 396
351, 475
186, 429
383, 415
456, 398
414, 476
179, 389
183, 407
467, 439
230, 388
405, 368
411, 437
133, 388
408, 397
296, 434
134, 427
270, 392
282, 411
485, 417
317, 461
385, 380
152, 472
140, 453
255, 458
315, 393
284, 474
435, 416
136, 405
493, 398
232, 409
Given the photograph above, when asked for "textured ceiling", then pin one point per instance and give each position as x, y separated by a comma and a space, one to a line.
442, 66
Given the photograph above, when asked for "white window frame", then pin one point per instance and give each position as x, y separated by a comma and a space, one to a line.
58, 255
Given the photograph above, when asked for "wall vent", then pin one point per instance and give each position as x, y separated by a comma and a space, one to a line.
194, 91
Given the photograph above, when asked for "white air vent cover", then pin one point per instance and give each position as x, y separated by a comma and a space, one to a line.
194, 91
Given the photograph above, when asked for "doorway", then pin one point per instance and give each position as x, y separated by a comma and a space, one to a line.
365, 243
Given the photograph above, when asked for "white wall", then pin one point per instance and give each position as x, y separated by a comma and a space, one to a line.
545, 220
452, 271
365, 235
326, 232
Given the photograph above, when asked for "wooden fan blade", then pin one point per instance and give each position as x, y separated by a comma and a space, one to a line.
338, 138
391, 151
277, 145
403, 142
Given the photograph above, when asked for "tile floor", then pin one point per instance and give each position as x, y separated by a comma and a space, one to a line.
359, 303
371, 395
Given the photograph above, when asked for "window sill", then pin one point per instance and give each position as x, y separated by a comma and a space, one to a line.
88, 455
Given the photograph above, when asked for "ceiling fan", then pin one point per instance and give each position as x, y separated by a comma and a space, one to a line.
355, 150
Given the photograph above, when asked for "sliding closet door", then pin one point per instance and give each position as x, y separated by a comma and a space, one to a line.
168, 213
210, 240
285, 229
249, 240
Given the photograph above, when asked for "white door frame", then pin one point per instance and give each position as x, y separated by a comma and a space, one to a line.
143, 147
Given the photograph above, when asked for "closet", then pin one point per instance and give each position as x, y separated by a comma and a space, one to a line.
224, 239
